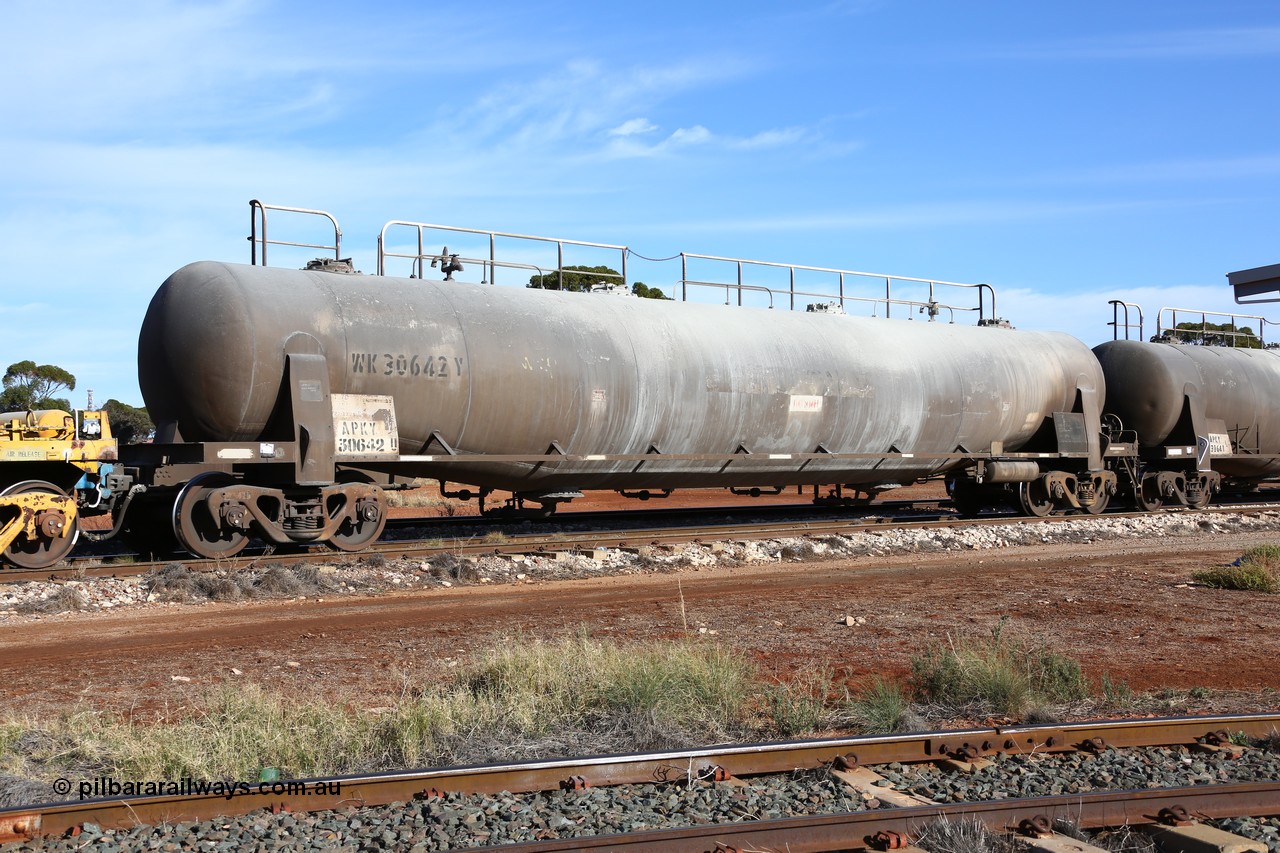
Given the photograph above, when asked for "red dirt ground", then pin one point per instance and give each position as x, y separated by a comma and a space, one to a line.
1123, 607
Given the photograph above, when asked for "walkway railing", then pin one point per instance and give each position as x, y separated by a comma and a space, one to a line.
744, 276
1120, 308
489, 261
258, 231
763, 283
1194, 327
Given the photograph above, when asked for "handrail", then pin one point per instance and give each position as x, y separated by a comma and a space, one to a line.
451, 262
258, 213
931, 306
1172, 331
491, 264
685, 283
1117, 306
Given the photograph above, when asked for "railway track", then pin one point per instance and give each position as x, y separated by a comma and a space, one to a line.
485, 538
858, 807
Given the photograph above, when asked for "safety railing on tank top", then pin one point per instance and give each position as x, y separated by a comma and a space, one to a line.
1195, 328
746, 277
555, 273
480, 247
1120, 319
258, 241
486, 256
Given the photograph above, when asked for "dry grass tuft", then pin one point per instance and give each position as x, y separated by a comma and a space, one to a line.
176, 582
65, 599
576, 696
883, 707
963, 835
1000, 673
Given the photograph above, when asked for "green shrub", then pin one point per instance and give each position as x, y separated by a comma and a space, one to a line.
882, 707
1001, 673
1257, 570
1267, 554
799, 705
1115, 692
545, 686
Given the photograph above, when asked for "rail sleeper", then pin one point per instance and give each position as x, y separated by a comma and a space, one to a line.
1201, 838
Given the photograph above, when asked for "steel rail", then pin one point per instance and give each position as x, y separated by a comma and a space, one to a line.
542, 543
675, 766
861, 830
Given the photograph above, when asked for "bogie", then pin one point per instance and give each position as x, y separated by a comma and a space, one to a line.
40, 526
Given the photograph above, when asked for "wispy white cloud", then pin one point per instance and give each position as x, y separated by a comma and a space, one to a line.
634, 127
776, 138
695, 135
582, 101
219, 88
587, 109
224, 66
89, 68
698, 135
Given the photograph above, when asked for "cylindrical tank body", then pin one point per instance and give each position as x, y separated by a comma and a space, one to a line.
1147, 384
499, 370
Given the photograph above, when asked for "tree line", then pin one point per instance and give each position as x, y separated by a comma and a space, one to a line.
582, 278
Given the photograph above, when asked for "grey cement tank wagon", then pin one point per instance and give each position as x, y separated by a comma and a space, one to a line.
498, 372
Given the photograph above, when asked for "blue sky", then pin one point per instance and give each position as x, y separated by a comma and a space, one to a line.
1065, 153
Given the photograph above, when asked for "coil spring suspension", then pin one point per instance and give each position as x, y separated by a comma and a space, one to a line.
303, 516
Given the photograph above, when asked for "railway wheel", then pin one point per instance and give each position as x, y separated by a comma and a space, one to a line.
195, 527
370, 516
1148, 495
1034, 498
53, 541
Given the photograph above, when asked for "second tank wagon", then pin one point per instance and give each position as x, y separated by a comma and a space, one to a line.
1199, 413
